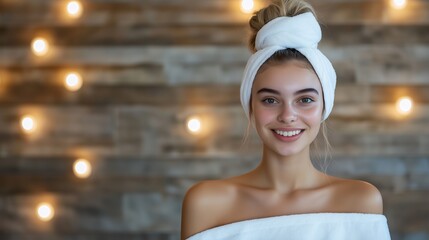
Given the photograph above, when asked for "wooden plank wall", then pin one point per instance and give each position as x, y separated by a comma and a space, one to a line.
147, 66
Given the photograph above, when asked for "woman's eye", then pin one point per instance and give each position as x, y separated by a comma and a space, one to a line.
269, 100
306, 100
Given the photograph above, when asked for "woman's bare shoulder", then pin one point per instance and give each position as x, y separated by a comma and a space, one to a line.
209, 191
357, 196
204, 205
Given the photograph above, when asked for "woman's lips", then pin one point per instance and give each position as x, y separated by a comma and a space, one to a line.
288, 135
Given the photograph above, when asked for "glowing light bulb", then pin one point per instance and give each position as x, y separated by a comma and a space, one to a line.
194, 125
399, 4
404, 105
28, 123
82, 168
247, 6
73, 81
45, 212
40, 46
74, 9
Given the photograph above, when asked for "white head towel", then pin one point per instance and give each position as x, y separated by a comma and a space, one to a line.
301, 32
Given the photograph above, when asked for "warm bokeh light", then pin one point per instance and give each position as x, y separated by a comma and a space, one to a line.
247, 6
74, 9
82, 168
40, 46
404, 105
73, 81
28, 123
45, 212
194, 125
398, 4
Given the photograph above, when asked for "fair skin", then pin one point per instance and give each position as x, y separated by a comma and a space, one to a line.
287, 99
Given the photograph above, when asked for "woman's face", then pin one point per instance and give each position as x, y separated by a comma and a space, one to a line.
287, 107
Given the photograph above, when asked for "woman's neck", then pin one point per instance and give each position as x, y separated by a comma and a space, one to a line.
285, 174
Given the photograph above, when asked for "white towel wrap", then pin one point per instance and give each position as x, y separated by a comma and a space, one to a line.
309, 226
301, 32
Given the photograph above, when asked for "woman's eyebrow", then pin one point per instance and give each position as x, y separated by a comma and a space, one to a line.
268, 90
305, 90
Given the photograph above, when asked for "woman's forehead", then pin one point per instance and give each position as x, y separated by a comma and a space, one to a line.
286, 77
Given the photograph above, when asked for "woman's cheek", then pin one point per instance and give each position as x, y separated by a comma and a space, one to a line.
260, 114
314, 112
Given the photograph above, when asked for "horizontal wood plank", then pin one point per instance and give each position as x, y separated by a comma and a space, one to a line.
350, 97
187, 12
149, 131
219, 35
364, 64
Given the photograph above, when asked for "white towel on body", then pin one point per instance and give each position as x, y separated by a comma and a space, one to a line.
309, 226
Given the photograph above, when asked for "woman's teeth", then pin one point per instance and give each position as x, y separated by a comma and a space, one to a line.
288, 133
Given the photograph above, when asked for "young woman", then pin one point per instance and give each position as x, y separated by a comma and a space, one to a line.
287, 92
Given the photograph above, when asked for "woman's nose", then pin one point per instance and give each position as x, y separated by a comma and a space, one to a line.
287, 114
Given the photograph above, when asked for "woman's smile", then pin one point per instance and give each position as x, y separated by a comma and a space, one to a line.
288, 136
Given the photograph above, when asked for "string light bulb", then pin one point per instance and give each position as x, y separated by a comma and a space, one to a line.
73, 81
40, 46
194, 125
404, 105
45, 211
28, 123
74, 9
247, 6
398, 4
82, 168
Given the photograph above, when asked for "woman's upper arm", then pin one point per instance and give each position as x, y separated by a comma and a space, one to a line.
364, 197
373, 202
199, 209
